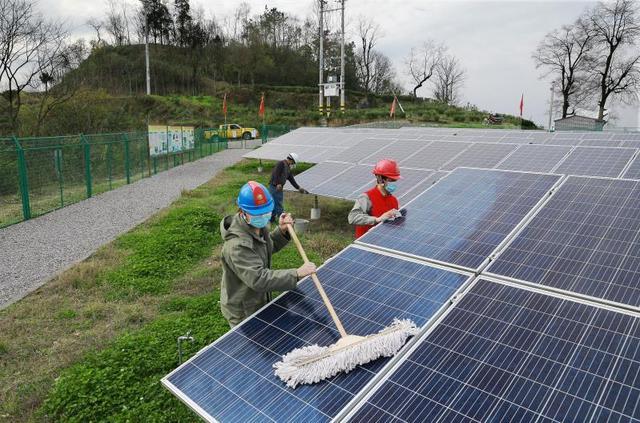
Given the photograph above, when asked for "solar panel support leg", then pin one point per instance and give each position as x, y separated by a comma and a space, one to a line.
315, 211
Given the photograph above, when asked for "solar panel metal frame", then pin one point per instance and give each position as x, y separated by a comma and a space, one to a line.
470, 278
507, 239
558, 291
634, 159
376, 383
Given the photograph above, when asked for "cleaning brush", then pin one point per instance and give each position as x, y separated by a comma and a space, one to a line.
314, 363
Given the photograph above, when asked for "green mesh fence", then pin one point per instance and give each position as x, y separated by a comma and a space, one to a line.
10, 198
38, 175
269, 132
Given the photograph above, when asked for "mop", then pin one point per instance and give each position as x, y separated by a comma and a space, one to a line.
314, 363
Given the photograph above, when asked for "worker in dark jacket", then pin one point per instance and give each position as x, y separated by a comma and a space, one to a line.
378, 204
247, 278
279, 176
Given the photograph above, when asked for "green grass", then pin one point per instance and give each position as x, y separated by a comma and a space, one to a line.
93, 343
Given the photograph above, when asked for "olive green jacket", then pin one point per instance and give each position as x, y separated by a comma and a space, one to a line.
247, 278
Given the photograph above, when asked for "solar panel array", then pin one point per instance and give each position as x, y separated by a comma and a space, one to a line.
526, 286
347, 181
232, 379
504, 353
584, 240
444, 149
464, 217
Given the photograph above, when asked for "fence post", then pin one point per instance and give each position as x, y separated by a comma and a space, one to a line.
87, 164
127, 168
24, 180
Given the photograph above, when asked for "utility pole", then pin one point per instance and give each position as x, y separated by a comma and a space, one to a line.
552, 89
321, 58
342, 86
146, 53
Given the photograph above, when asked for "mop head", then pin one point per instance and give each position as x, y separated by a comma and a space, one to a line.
313, 363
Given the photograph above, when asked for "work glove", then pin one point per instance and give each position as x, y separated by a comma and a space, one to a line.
285, 219
306, 269
303, 191
391, 214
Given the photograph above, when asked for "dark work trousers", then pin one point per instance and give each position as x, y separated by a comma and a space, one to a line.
278, 199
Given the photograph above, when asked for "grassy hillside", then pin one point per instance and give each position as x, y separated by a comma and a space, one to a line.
111, 99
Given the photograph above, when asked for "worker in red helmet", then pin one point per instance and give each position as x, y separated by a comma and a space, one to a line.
378, 204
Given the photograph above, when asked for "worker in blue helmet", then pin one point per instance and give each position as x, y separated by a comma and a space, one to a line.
247, 278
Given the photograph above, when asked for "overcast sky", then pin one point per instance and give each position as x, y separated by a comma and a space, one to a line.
493, 40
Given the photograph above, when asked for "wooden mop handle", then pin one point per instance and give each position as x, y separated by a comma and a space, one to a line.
316, 281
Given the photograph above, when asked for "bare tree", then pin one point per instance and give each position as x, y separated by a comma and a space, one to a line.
116, 22
382, 75
449, 77
564, 55
23, 35
368, 33
56, 61
97, 26
422, 62
615, 61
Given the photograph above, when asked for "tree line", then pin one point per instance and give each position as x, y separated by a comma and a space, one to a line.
271, 47
594, 60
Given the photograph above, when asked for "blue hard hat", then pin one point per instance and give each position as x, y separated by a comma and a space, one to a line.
255, 199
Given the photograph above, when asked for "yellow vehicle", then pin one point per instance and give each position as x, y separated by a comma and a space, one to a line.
233, 131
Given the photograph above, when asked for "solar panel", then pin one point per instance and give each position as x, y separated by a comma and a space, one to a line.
434, 155
600, 143
534, 158
397, 150
348, 184
626, 137
233, 380
480, 155
633, 171
563, 141
319, 174
413, 190
361, 150
584, 240
464, 217
630, 144
508, 354
519, 140
595, 161
410, 179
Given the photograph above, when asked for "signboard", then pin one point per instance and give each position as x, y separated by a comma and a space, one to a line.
331, 89
170, 139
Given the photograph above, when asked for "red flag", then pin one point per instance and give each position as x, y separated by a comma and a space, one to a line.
392, 111
521, 104
261, 109
224, 105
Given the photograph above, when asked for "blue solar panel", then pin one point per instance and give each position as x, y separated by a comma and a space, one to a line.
534, 158
464, 217
233, 380
585, 240
480, 155
509, 354
596, 161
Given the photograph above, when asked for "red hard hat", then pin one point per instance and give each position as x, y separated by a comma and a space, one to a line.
387, 168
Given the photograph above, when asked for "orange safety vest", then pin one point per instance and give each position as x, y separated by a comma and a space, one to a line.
380, 204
